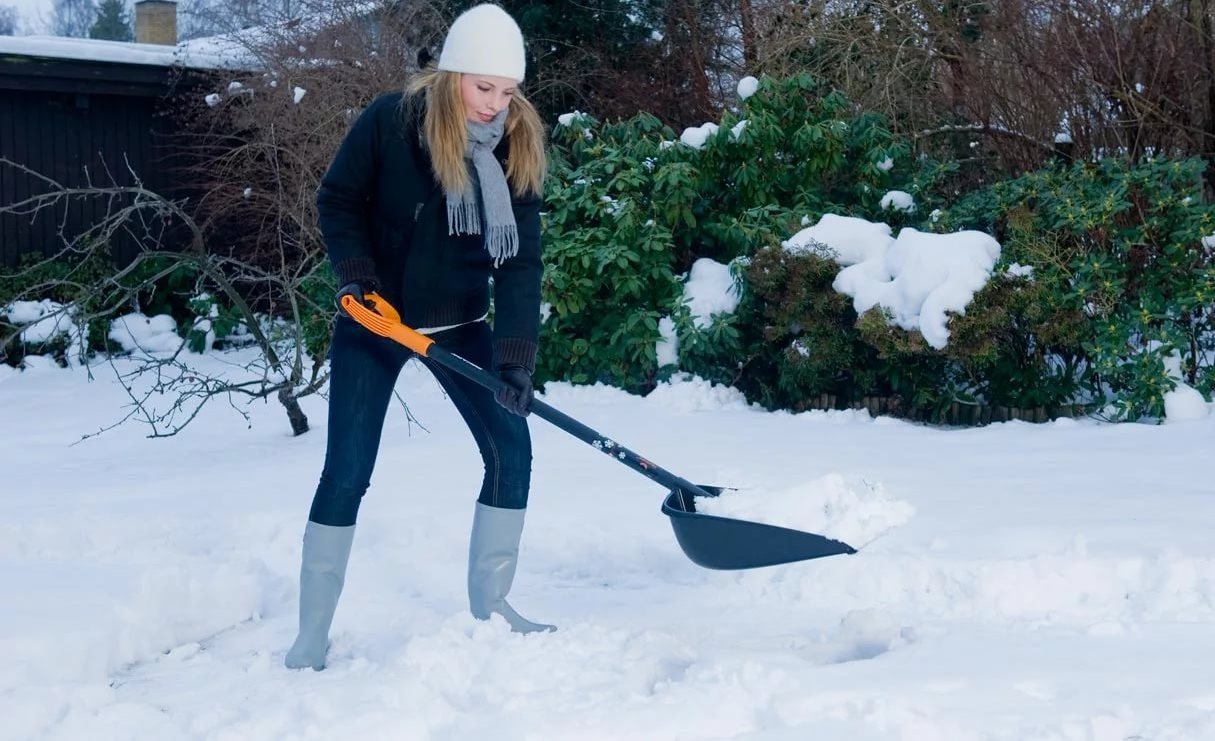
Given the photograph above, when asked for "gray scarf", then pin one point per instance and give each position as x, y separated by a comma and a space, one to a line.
463, 215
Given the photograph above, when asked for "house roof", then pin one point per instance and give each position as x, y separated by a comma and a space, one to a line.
208, 53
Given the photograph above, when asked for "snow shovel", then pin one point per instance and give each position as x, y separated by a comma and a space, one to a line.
709, 541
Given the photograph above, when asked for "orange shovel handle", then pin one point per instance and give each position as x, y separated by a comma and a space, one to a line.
386, 322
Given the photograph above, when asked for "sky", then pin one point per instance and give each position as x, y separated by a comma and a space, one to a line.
32, 14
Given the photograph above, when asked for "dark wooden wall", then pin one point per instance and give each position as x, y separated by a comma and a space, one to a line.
67, 130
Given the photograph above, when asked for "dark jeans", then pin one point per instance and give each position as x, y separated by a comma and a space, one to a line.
364, 369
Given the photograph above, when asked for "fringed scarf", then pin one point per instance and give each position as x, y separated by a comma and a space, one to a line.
486, 175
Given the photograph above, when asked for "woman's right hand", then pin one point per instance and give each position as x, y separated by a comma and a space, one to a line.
359, 290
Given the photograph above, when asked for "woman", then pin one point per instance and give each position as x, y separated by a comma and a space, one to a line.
432, 193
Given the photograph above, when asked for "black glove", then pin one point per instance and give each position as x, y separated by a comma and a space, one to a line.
516, 395
357, 288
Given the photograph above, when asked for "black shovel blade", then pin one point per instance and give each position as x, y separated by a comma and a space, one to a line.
725, 543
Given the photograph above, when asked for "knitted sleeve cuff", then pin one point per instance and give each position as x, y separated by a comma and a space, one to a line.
515, 351
353, 269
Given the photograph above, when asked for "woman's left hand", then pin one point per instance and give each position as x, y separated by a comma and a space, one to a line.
516, 395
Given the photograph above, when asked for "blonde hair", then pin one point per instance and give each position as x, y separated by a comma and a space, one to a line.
445, 136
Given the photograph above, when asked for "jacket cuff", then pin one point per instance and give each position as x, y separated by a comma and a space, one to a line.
353, 269
515, 351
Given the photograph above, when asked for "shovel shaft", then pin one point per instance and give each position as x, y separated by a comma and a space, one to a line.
572, 426
386, 322
710, 541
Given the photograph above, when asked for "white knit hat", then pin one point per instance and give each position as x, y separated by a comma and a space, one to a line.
484, 40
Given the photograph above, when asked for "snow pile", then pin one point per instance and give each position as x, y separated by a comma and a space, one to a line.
136, 332
668, 343
686, 393
919, 276
563, 393
853, 510
42, 320
747, 87
898, 200
1184, 403
1017, 270
852, 240
696, 136
710, 290
567, 119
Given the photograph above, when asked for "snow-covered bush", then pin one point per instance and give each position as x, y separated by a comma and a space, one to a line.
1077, 286
631, 206
1123, 248
44, 309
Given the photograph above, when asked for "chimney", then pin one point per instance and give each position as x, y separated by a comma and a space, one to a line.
156, 22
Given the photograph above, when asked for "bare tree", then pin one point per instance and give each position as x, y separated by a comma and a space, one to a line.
215, 17
73, 17
8, 20
1004, 79
260, 141
166, 392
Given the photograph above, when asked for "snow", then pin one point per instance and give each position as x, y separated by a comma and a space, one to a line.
213, 99
1018, 581
898, 200
198, 54
667, 347
686, 393
737, 129
919, 276
886, 165
46, 319
568, 119
850, 509
696, 136
851, 239
298, 94
710, 290
1063, 138
138, 333
1184, 403
923, 277
747, 87
1017, 270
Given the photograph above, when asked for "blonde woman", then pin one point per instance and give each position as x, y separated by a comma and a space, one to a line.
433, 192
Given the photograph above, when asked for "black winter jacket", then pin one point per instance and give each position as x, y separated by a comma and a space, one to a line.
383, 217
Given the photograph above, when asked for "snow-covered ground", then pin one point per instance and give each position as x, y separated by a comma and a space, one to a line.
1015, 583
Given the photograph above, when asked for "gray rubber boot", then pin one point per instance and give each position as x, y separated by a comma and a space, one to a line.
322, 573
493, 552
